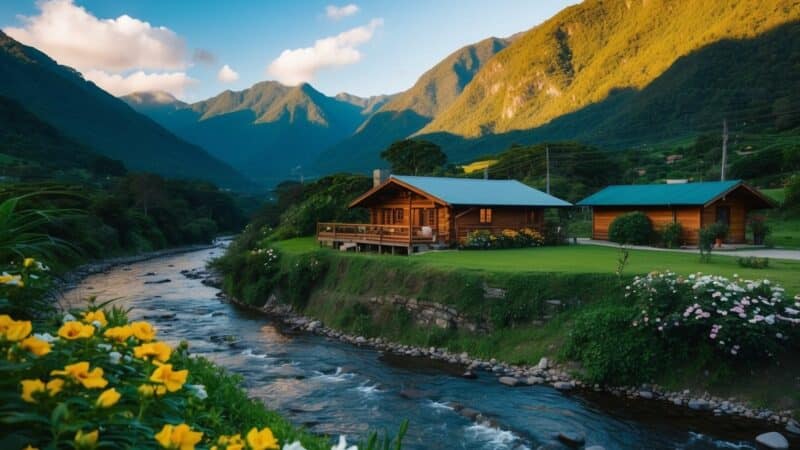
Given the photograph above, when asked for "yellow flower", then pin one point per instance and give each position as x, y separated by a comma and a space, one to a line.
171, 379
143, 331
30, 387
75, 330
158, 350
14, 330
233, 442
27, 262
149, 390
91, 316
108, 398
54, 386
12, 280
79, 372
119, 334
86, 440
178, 437
30, 447
261, 440
36, 346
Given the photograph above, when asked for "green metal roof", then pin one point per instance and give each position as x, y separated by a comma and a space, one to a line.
660, 194
478, 192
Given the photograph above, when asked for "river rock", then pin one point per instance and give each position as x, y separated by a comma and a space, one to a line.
595, 447
509, 381
563, 385
647, 395
534, 380
793, 427
544, 364
698, 404
470, 413
165, 280
773, 440
571, 438
469, 374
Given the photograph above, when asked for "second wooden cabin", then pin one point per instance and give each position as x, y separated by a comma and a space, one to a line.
693, 205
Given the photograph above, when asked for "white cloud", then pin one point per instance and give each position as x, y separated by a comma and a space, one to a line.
227, 75
338, 12
72, 36
116, 84
300, 65
113, 53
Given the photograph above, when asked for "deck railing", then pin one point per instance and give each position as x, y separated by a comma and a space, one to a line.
366, 233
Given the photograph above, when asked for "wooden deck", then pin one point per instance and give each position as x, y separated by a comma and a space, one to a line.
381, 235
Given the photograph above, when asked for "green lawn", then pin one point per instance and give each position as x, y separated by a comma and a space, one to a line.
777, 194
583, 259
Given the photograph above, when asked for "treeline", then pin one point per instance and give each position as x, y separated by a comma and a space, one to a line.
137, 212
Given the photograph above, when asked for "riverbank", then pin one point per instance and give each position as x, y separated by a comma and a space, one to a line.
386, 303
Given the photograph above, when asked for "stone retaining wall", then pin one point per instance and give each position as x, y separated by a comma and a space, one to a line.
425, 313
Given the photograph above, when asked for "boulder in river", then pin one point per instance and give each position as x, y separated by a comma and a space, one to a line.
563, 385
469, 413
793, 427
469, 374
699, 404
165, 280
572, 438
509, 381
773, 440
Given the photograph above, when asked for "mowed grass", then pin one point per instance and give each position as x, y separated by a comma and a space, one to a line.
581, 259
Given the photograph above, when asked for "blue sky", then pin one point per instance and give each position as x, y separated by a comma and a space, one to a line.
391, 45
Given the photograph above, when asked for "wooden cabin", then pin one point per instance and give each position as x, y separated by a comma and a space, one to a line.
417, 213
693, 205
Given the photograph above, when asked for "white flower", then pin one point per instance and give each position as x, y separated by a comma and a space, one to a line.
198, 390
69, 317
296, 445
342, 445
105, 347
114, 357
47, 337
97, 324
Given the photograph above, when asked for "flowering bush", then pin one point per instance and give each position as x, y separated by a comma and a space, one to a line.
508, 238
101, 381
739, 317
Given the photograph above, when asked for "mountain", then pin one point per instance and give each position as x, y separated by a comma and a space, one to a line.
368, 105
34, 150
84, 113
269, 131
407, 112
629, 72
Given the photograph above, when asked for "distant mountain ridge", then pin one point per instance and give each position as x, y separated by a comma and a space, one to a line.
409, 111
86, 114
599, 70
268, 131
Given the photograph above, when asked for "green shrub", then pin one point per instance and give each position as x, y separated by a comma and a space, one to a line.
705, 243
671, 235
753, 262
633, 228
792, 190
610, 350
302, 276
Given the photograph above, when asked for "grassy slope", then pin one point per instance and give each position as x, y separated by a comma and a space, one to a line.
581, 259
773, 387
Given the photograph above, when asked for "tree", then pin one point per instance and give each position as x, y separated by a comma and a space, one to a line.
414, 157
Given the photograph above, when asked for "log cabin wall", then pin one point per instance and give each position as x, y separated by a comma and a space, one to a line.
394, 208
502, 217
737, 205
687, 216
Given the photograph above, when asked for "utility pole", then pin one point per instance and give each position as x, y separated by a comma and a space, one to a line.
724, 148
547, 157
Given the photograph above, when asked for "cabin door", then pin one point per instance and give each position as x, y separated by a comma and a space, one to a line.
724, 215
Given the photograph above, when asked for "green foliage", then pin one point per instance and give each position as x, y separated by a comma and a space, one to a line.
753, 262
304, 273
324, 200
508, 238
21, 230
633, 228
792, 196
705, 242
414, 157
671, 235
610, 350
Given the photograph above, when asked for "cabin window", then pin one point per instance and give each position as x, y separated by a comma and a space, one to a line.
486, 215
431, 217
398, 215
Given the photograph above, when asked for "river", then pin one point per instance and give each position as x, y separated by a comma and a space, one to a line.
336, 388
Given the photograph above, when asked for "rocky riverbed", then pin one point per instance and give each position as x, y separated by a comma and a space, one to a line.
545, 372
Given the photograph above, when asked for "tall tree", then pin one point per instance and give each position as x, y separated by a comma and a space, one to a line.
414, 157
